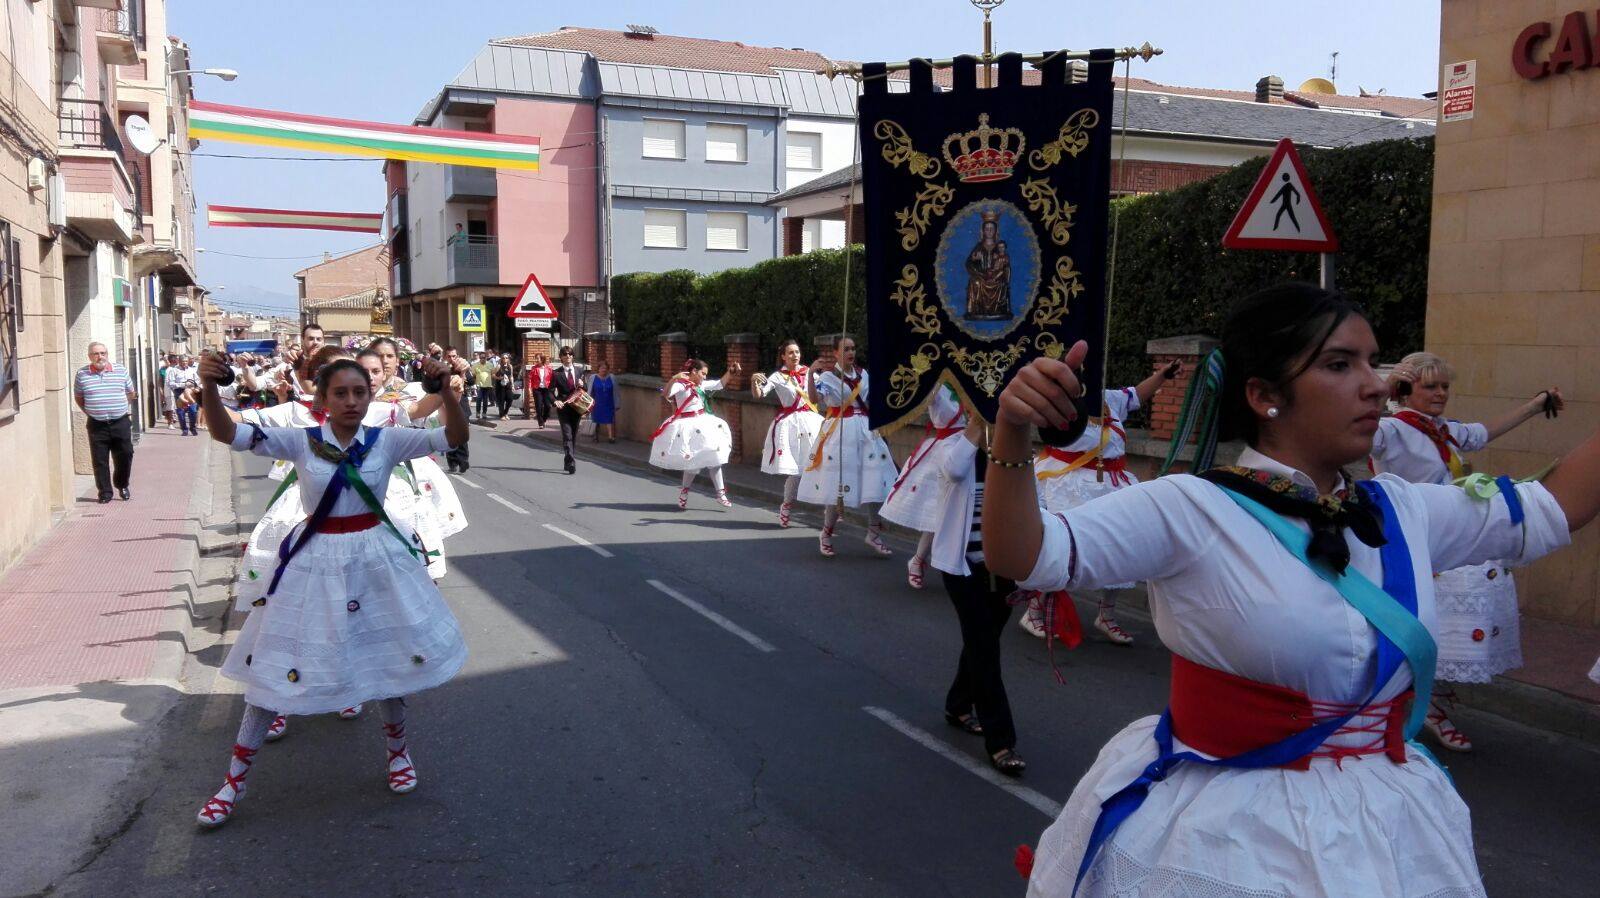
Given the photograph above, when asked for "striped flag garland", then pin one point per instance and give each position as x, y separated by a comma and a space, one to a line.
242, 124
248, 217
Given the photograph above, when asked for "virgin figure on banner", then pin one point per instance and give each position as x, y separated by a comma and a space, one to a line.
989, 274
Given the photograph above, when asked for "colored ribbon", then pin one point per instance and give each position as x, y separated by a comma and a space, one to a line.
1202, 406
831, 426
1444, 442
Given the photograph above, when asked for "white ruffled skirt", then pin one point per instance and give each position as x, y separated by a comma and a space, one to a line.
861, 457
787, 448
1479, 630
914, 498
1065, 492
689, 444
355, 618
441, 493
1374, 829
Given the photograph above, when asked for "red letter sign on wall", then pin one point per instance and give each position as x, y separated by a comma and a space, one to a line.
1522, 51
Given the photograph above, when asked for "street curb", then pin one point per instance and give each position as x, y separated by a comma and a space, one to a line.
210, 529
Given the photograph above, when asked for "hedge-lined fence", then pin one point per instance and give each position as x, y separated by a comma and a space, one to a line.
1173, 276
798, 297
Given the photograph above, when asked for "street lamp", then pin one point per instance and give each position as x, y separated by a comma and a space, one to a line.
224, 74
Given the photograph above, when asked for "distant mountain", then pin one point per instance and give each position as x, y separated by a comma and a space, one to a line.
245, 298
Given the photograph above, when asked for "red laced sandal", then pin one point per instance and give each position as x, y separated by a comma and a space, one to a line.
218, 809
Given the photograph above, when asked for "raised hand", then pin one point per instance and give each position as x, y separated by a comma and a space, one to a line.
1173, 369
1042, 393
213, 370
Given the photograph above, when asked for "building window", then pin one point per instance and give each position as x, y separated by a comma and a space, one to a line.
665, 228
10, 319
663, 138
726, 143
804, 151
726, 230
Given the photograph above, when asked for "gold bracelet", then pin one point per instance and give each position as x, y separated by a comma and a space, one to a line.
1013, 465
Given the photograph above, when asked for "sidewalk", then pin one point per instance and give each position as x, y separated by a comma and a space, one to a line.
95, 624
1550, 692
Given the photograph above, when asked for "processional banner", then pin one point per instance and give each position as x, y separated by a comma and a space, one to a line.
986, 226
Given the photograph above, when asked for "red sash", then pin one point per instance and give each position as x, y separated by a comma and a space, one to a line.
1116, 467
932, 438
679, 411
354, 523
1224, 715
1441, 438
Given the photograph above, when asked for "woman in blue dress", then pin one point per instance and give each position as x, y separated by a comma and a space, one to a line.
604, 413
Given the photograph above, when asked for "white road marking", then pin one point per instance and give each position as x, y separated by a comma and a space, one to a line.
1035, 799
719, 620
507, 503
602, 551
467, 482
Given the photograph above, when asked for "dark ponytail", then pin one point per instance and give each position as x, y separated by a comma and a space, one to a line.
692, 365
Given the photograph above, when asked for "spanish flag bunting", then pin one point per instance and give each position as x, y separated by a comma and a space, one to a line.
242, 124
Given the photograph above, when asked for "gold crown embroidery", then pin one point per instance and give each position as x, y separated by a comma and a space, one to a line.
984, 154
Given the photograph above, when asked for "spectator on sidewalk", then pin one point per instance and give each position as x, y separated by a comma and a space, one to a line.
604, 412
165, 395
457, 459
182, 382
482, 383
504, 378
105, 393
539, 388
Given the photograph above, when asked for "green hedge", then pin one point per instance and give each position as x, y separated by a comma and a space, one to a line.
1174, 277
799, 297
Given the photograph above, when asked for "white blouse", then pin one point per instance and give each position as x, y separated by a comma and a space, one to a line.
294, 414
1406, 452
1226, 594
831, 387
1119, 404
291, 444
675, 395
789, 386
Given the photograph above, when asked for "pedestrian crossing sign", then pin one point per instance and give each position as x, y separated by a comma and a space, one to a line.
532, 301
470, 319
1281, 211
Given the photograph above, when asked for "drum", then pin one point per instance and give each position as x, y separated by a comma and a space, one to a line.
581, 401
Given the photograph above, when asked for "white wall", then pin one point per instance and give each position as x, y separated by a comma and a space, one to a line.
425, 198
838, 146
26, 30
1193, 152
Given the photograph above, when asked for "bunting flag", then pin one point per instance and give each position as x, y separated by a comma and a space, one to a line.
248, 217
986, 213
241, 124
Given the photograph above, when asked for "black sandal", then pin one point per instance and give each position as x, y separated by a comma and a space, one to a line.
966, 722
1008, 762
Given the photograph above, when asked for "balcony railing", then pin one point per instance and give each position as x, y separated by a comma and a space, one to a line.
127, 20
85, 124
473, 260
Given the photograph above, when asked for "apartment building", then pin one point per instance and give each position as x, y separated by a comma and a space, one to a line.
657, 152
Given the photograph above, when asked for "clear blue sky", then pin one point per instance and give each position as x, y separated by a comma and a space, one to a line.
382, 60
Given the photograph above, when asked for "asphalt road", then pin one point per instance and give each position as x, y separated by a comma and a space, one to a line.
695, 703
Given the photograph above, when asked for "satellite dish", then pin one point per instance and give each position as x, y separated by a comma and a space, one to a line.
140, 135
1317, 86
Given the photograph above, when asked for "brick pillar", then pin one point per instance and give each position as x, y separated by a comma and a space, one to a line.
534, 343
824, 349
1189, 349
745, 349
674, 352
609, 347
856, 224
792, 229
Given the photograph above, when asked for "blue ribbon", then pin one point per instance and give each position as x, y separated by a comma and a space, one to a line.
1392, 611
356, 455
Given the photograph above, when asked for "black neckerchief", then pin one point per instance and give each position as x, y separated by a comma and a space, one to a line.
1327, 515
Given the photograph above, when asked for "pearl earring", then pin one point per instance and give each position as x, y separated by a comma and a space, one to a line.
1272, 412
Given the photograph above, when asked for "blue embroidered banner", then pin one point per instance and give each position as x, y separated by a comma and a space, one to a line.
986, 216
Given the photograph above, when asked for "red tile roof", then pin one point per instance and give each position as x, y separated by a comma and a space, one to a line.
672, 51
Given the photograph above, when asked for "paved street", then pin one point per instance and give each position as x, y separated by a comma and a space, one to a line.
695, 703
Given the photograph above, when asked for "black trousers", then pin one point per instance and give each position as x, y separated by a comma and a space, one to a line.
502, 397
569, 418
983, 611
111, 441
457, 457
542, 404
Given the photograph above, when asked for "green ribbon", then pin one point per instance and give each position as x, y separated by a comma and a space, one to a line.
1202, 405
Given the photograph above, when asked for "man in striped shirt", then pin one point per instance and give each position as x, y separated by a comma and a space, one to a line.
104, 391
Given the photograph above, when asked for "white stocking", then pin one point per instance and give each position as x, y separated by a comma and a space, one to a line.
252, 732
716, 480
402, 776
688, 477
830, 517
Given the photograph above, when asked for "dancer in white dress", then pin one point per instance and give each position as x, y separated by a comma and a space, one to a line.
915, 499
1479, 633
350, 615
794, 427
1283, 765
692, 439
1094, 464
849, 462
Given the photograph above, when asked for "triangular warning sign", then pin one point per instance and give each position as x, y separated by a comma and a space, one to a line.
1282, 211
533, 302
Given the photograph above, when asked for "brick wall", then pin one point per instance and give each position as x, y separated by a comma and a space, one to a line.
348, 274
1154, 177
